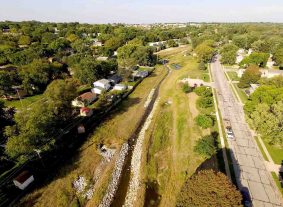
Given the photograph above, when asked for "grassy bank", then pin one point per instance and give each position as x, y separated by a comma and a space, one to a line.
114, 131
25, 102
173, 134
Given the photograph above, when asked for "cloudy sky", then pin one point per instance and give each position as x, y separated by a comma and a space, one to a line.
142, 11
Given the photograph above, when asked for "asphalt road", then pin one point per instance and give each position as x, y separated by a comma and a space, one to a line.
248, 162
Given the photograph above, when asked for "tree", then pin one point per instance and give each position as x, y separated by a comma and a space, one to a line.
261, 46
205, 146
204, 52
186, 88
228, 54
259, 59
209, 188
204, 121
72, 37
59, 95
35, 76
35, 129
241, 41
250, 76
24, 40
205, 102
6, 82
202, 65
278, 56
172, 43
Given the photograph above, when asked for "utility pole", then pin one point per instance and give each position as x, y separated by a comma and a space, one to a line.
19, 97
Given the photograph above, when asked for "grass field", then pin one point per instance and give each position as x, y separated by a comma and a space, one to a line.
114, 131
173, 133
233, 76
243, 96
275, 152
276, 179
24, 103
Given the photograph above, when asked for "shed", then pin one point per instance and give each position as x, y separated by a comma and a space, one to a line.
120, 87
23, 180
84, 111
114, 79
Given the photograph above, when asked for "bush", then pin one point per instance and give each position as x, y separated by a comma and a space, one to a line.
205, 146
186, 88
209, 188
203, 91
205, 102
202, 66
204, 121
200, 90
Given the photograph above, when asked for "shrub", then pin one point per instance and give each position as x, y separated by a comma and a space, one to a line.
186, 88
209, 188
200, 90
205, 146
202, 66
204, 121
205, 102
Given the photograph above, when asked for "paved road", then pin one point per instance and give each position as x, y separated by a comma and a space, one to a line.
248, 161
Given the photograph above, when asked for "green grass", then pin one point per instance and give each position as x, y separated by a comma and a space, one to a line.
275, 152
276, 179
261, 149
243, 96
25, 102
233, 76
205, 77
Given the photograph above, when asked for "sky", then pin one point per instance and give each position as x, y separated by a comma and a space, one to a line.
142, 11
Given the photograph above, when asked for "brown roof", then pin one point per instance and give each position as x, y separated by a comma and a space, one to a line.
21, 178
87, 96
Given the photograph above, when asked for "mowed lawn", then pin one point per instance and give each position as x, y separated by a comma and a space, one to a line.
114, 131
173, 134
24, 102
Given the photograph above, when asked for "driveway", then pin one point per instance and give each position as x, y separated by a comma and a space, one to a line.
248, 162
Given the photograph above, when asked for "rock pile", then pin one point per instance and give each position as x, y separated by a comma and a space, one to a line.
136, 162
80, 184
113, 185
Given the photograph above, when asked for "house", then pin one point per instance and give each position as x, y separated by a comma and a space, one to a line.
102, 58
102, 83
120, 87
114, 79
84, 100
23, 180
84, 111
270, 62
97, 44
270, 73
140, 74
265, 73
98, 90
81, 129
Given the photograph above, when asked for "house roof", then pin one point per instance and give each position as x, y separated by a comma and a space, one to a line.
85, 109
115, 77
87, 95
103, 81
22, 177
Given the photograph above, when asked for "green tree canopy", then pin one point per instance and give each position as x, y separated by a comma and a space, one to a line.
228, 54
204, 52
250, 76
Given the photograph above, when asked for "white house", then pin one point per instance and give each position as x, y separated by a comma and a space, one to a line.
23, 180
84, 100
97, 90
252, 88
270, 62
102, 83
120, 87
102, 58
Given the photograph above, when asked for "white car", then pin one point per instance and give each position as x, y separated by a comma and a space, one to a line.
230, 133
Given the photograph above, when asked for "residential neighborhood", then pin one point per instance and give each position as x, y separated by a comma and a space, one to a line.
141, 104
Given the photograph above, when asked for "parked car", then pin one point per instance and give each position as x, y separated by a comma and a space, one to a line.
247, 202
230, 133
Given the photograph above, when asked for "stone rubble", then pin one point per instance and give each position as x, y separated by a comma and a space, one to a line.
134, 183
149, 98
80, 184
113, 185
107, 153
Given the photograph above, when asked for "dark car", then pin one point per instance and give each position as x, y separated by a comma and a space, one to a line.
247, 202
